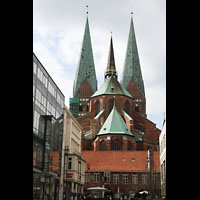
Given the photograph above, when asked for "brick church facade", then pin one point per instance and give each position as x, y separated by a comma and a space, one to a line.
119, 143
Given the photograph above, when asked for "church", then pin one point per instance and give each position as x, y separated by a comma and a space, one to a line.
119, 144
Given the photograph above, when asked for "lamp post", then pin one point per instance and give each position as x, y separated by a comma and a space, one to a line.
88, 175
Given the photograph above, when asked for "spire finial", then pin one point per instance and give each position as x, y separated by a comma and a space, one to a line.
131, 10
87, 9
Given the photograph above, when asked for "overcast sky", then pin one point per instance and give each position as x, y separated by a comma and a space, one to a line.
58, 28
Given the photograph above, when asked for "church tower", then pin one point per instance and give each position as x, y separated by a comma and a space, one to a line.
85, 82
132, 76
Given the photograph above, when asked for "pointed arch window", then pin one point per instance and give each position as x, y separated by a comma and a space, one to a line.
136, 108
129, 146
97, 107
111, 103
103, 145
127, 107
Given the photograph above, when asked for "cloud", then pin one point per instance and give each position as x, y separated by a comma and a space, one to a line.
58, 28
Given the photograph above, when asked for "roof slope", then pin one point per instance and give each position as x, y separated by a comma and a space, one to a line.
114, 124
132, 63
85, 68
111, 86
119, 161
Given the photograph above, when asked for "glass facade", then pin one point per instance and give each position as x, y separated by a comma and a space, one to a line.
48, 103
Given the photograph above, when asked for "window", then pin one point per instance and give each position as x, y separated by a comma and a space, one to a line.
96, 177
125, 178
116, 146
87, 177
111, 103
135, 179
154, 179
80, 108
33, 90
39, 74
106, 176
34, 67
97, 108
49, 107
53, 111
136, 108
69, 163
144, 179
36, 120
129, 146
103, 145
115, 178
79, 166
127, 107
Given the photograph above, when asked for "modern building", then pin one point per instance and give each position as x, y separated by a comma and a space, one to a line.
73, 165
48, 103
117, 135
162, 142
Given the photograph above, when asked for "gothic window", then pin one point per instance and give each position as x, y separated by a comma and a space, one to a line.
111, 103
103, 146
97, 107
129, 146
136, 108
80, 108
116, 146
127, 107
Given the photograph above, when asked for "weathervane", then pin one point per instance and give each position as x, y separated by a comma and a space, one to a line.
87, 9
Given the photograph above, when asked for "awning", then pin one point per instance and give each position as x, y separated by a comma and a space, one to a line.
97, 189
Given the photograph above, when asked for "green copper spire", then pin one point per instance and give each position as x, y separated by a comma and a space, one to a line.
132, 67
114, 124
85, 68
111, 69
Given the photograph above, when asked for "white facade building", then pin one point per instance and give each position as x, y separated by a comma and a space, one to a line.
162, 143
73, 172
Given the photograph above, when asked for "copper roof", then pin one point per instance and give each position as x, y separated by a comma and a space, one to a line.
114, 124
111, 86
